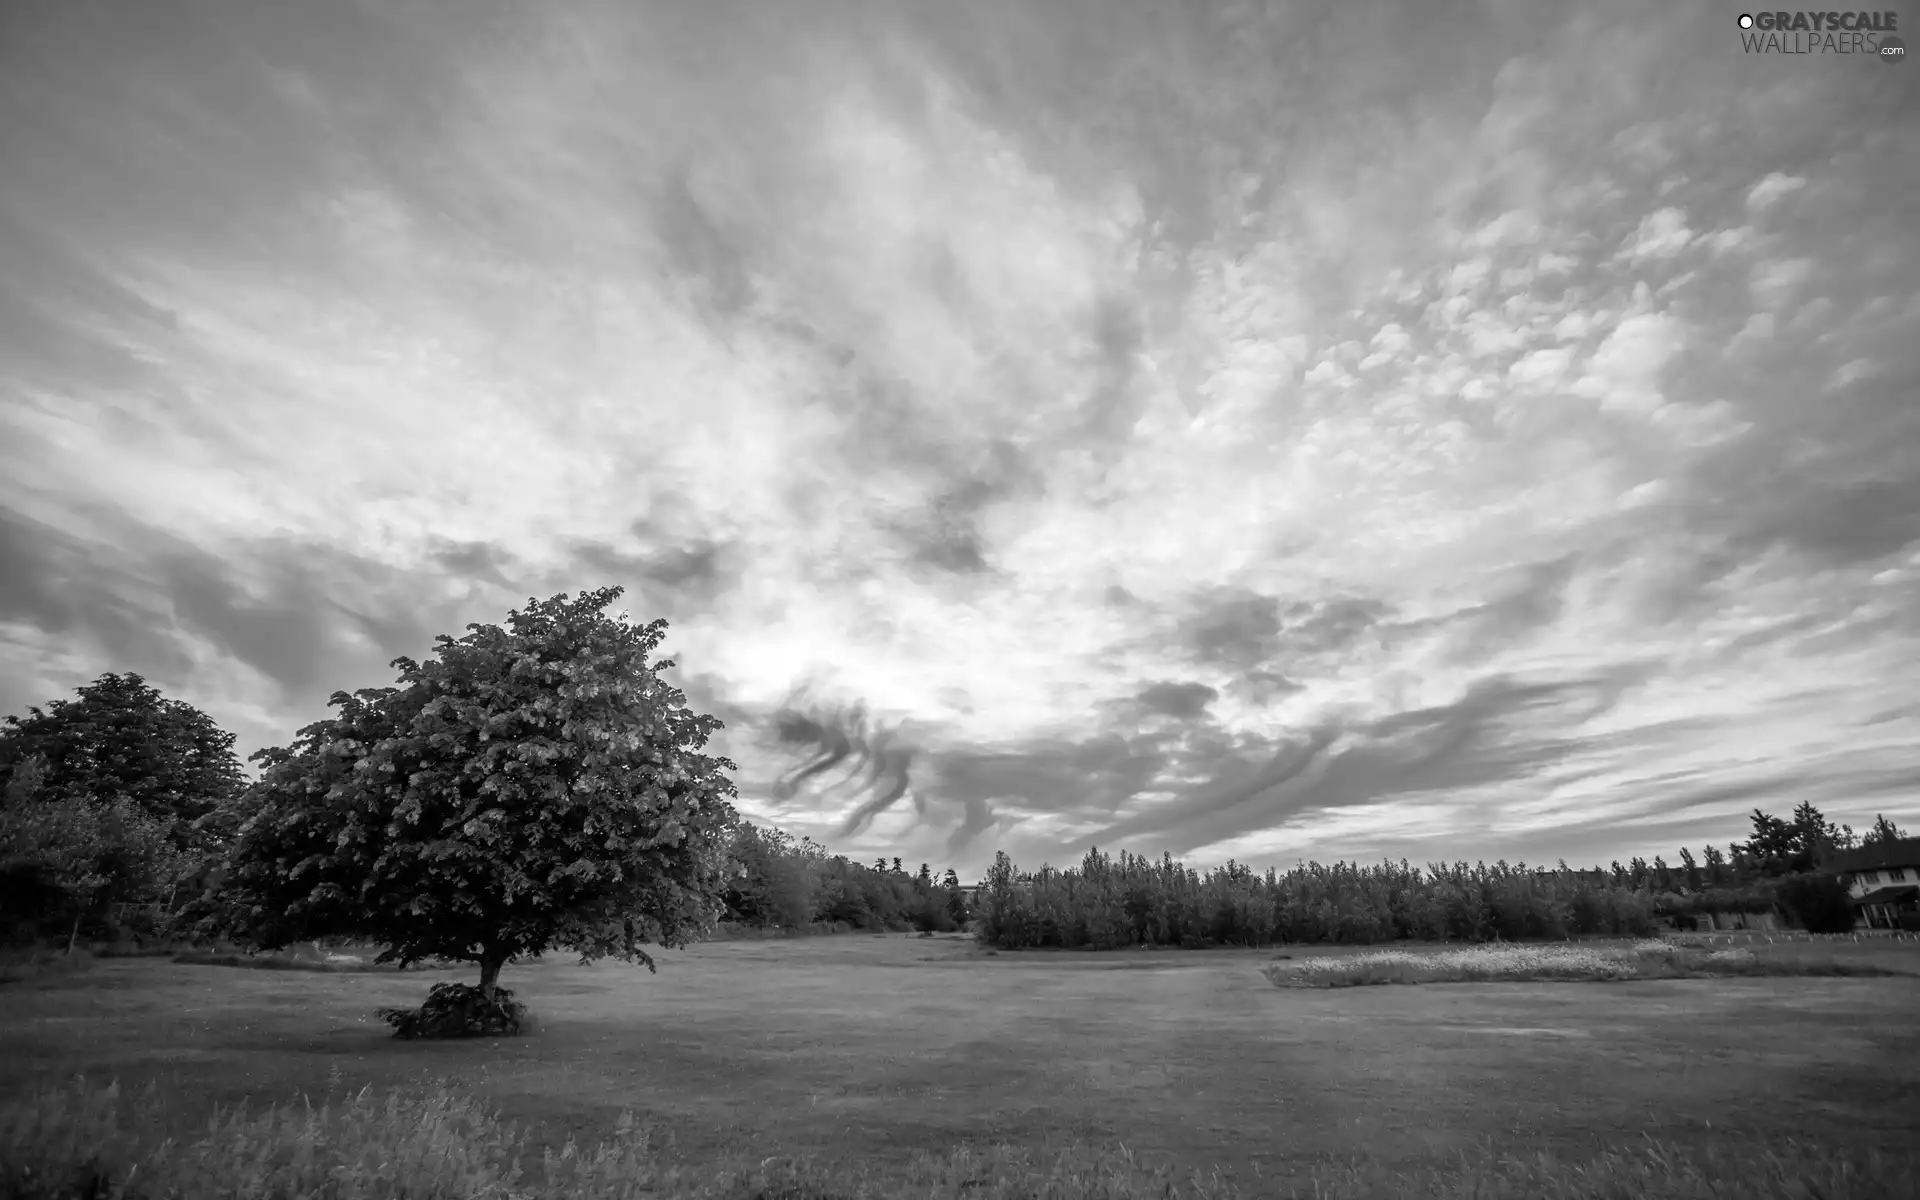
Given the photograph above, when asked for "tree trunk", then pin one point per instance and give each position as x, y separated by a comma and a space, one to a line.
490, 965
74, 937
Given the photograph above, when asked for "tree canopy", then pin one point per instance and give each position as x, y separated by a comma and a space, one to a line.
122, 738
67, 853
1881, 832
1801, 843
529, 787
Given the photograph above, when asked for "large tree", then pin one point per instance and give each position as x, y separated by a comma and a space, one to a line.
1799, 844
123, 739
530, 787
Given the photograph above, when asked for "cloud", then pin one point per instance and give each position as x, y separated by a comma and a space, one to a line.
1235, 431
1769, 190
1624, 373
1178, 699
1662, 234
1774, 281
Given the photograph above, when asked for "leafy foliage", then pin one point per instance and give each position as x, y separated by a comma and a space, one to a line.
774, 885
793, 885
123, 738
1820, 903
1780, 847
1882, 831
66, 854
530, 787
1134, 901
457, 1010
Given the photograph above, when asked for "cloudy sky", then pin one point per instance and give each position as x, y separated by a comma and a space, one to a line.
1449, 430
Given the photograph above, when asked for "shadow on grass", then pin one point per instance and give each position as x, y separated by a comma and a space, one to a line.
279, 962
87, 1140
38, 962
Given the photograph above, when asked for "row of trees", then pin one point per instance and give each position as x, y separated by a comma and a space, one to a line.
787, 884
539, 785
1131, 901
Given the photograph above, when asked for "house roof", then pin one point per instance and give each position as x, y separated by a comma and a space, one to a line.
1890, 895
1900, 852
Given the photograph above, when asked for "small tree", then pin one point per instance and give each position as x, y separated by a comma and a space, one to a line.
531, 787
1882, 832
76, 851
1690, 869
955, 899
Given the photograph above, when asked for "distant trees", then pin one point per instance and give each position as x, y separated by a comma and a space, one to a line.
64, 853
103, 800
957, 909
1717, 872
1783, 847
1689, 870
793, 885
553, 746
771, 885
1883, 831
530, 787
1133, 901
1109, 903
122, 738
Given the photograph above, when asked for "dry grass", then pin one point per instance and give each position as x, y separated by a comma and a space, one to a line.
440, 1144
1650, 958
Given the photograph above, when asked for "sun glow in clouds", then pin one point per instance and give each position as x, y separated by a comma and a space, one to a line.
1229, 433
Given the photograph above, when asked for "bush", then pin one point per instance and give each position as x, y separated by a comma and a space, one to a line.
1820, 903
458, 1010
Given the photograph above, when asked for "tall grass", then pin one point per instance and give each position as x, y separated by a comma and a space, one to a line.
89, 1141
1647, 959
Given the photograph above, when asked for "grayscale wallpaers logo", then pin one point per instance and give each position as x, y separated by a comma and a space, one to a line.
1867, 34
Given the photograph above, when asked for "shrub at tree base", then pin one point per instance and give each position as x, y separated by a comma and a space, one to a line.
457, 1010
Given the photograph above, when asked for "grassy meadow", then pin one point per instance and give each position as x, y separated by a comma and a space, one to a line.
943, 1069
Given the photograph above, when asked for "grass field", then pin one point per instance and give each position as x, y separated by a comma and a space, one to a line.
875, 1048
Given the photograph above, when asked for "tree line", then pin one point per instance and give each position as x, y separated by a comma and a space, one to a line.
538, 785
1112, 903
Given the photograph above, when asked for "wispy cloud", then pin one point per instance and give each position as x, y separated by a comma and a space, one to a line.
1252, 431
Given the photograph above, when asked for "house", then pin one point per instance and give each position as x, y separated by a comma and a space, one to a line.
1883, 880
